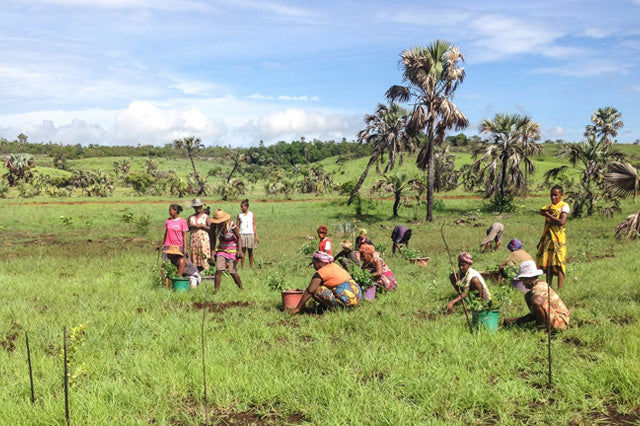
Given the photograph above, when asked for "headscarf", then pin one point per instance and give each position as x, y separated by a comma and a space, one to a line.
465, 258
363, 232
321, 256
367, 249
514, 245
322, 229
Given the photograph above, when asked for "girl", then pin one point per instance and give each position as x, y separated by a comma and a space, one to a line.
175, 231
229, 248
248, 233
552, 248
325, 242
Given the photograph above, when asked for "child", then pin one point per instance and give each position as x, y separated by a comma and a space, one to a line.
248, 233
175, 233
325, 243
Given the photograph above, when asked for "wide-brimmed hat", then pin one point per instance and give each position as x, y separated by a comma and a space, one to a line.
197, 203
173, 250
346, 244
528, 269
220, 216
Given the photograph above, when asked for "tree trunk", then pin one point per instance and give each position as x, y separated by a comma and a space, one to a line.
431, 172
355, 190
201, 191
396, 204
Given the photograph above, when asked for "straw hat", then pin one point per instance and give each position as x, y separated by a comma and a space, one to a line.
528, 269
346, 244
197, 203
220, 216
173, 250
363, 231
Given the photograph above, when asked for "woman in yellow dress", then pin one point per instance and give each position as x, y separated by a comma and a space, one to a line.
552, 248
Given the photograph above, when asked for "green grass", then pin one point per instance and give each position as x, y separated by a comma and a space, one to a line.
397, 360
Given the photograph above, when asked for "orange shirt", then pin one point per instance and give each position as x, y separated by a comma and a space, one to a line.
333, 275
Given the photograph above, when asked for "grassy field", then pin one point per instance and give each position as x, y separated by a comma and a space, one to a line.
397, 360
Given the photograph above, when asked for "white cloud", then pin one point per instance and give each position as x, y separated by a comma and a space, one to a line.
556, 132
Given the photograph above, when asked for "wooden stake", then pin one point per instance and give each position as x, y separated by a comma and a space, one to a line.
26, 337
204, 370
66, 378
455, 274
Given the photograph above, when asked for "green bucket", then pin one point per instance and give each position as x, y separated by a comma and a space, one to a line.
180, 284
487, 320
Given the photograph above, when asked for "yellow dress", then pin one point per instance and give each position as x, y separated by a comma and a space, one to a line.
552, 248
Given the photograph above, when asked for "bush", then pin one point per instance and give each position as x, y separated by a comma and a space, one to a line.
139, 181
502, 203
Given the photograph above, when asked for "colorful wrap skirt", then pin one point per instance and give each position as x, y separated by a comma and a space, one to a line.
346, 294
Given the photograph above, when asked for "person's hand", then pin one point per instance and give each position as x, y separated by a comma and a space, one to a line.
257, 240
294, 311
239, 255
159, 246
449, 307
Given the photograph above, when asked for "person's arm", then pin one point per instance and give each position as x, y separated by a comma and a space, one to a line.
556, 220
378, 272
239, 251
315, 283
192, 226
476, 285
255, 232
161, 245
184, 241
519, 320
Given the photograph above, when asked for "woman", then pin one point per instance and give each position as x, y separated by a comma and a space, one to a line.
515, 258
347, 255
185, 267
325, 243
552, 248
200, 243
372, 262
330, 285
229, 247
494, 233
248, 233
362, 239
468, 280
537, 298
400, 235
175, 232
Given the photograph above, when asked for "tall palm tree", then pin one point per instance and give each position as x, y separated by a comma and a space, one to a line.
501, 159
192, 145
432, 74
386, 131
606, 123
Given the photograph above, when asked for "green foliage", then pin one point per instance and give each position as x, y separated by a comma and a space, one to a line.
275, 281
66, 220
500, 295
142, 224
127, 215
308, 248
410, 253
502, 203
361, 276
75, 341
139, 181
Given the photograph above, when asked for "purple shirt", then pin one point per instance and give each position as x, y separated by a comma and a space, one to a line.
398, 233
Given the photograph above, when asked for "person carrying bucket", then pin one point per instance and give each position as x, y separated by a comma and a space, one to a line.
186, 268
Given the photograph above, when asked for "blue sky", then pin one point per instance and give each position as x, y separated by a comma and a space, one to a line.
234, 72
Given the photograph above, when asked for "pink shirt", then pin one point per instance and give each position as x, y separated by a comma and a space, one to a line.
175, 228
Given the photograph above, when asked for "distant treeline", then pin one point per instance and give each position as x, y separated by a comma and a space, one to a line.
281, 153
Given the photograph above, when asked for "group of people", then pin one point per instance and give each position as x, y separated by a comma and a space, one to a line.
332, 285
228, 241
545, 306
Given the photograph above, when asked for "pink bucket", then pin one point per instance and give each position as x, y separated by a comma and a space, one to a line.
370, 293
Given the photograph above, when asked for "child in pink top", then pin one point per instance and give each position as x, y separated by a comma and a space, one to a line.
175, 233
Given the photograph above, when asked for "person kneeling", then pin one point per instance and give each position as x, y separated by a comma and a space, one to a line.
469, 280
537, 299
330, 285
186, 268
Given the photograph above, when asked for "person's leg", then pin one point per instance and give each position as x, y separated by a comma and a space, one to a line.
250, 258
244, 254
538, 311
221, 265
486, 247
497, 245
237, 280
560, 279
217, 279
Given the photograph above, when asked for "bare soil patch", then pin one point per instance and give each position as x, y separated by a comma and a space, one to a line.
8, 343
218, 307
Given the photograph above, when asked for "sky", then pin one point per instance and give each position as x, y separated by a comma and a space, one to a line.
237, 72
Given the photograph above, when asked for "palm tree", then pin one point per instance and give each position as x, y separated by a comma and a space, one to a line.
192, 145
606, 123
622, 180
19, 166
530, 134
386, 132
432, 75
396, 184
499, 165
